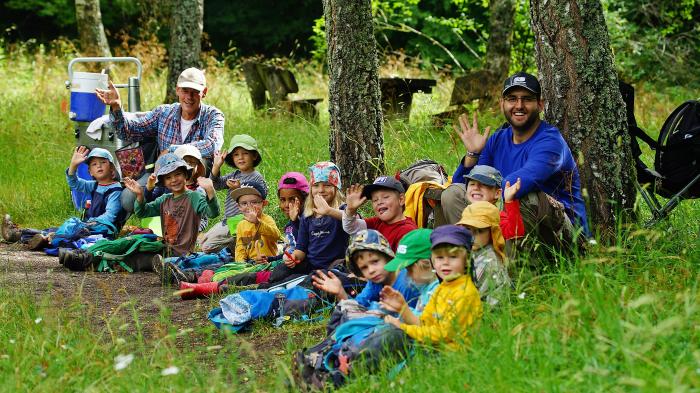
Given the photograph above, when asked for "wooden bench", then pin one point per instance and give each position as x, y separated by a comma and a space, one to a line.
397, 95
269, 86
467, 88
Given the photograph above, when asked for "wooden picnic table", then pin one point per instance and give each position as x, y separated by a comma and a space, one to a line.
397, 95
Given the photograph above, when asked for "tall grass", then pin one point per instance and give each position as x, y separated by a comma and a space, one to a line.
625, 317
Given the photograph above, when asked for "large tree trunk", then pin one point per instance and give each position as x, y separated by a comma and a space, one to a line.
93, 41
186, 25
356, 141
502, 13
582, 98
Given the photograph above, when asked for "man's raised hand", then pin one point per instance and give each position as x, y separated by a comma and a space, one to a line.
110, 96
473, 139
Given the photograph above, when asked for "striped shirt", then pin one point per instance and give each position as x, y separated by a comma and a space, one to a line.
230, 206
206, 133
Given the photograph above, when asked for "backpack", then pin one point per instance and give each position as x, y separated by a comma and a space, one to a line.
678, 153
108, 254
422, 170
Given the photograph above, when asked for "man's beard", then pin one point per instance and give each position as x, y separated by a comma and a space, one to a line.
532, 117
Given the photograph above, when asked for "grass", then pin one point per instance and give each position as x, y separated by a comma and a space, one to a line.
624, 317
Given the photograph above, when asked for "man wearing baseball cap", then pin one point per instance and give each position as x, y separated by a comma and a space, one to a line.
387, 196
532, 150
186, 122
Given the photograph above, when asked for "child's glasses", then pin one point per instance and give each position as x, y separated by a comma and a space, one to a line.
250, 203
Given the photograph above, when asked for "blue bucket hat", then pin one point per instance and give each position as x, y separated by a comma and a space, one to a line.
102, 153
168, 163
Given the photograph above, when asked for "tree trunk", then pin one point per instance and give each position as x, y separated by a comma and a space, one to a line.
356, 142
582, 98
93, 40
186, 25
502, 13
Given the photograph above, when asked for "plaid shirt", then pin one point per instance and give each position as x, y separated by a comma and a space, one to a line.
206, 133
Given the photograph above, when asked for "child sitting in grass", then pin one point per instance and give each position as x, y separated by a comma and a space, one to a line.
292, 191
455, 305
387, 197
103, 216
484, 184
244, 155
193, 157
180, 210
366, 256
413, 254
488, 252
257, 233
321, 239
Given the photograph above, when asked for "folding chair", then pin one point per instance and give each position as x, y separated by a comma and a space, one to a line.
676, 173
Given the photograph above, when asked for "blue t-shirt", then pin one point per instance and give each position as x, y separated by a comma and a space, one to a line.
322, 239
370, 293
544, 162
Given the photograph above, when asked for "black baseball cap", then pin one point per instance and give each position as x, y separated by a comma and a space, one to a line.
386, 182
524, 80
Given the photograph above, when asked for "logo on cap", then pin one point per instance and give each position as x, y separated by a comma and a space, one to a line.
519, 79
381, 179
401, 249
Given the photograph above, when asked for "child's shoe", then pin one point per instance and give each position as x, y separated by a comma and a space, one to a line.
38, 242
178, 275
158, 265
10, 231
194, 291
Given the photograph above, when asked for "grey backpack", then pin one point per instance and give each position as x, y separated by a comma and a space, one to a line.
423, 170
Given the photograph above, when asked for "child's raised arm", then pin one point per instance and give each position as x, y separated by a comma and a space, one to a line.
134, 187
219, 157
329, 283
79, 156
321, 207
208, 186
510, 191
354, 199
392, 300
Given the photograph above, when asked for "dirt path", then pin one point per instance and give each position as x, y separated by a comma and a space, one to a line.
110, 296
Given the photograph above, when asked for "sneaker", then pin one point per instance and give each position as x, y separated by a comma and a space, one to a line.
178, 275
10, 231
38, 242
158, 265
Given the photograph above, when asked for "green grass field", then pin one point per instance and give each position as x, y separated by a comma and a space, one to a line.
623, 318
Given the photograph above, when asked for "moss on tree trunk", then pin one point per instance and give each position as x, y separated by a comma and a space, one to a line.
582, 98
356, 142
186, 24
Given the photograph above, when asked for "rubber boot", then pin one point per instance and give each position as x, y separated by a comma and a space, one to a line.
10, 231
205, 276
194, 291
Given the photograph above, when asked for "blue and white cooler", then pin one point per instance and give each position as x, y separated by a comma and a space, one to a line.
84, 104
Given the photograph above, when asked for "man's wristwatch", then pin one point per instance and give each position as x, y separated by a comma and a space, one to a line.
472, 154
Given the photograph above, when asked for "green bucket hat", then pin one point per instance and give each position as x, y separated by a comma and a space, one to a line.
247, 142
413, 246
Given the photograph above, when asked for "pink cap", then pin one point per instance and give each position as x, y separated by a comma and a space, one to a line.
294, 181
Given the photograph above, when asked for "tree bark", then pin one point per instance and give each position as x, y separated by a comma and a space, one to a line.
186, 25
356, 142
582, 98
502, 14
93, 40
